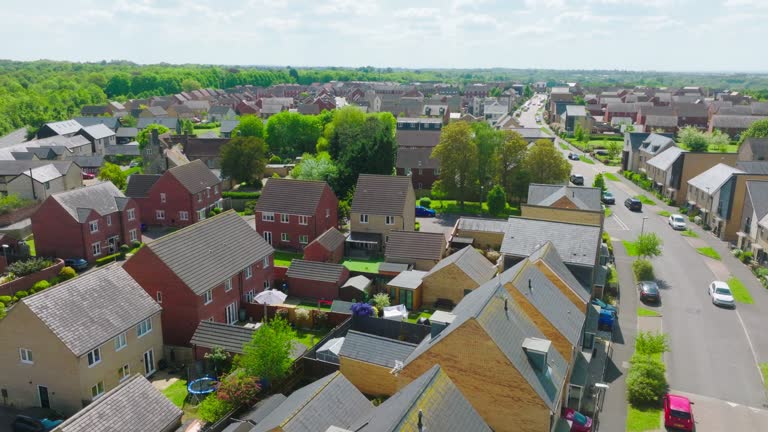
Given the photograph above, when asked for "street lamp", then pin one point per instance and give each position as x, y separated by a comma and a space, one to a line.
642, 227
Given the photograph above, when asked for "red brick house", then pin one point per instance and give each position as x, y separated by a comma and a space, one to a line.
327, 247
89, 222
203, 272
292, 213
179, 197
317, 280
419, 165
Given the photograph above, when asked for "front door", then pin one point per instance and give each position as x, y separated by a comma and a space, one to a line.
149, 363
268, 237
45, 402
408, 299
112, 245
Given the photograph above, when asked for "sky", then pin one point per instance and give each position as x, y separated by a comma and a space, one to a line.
664, 35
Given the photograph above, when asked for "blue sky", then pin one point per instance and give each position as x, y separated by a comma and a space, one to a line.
676, 35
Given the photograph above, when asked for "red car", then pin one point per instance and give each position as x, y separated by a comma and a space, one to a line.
678, 413
579, 422
88, 176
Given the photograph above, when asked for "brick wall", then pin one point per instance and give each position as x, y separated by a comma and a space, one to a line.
26, 282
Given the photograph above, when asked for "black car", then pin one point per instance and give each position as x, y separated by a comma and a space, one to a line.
36, 420
649, 292
577, 179
573, 156
608, 198
633, 204
78, 264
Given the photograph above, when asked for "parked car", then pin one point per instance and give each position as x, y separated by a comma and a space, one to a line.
579, 422
677, 222
577, 179
573, 156
608, 198
649, 292
88, 176
678, 412
76, 263
721, 294
633, 204
424, 212
36, 420
605, 306
606, 319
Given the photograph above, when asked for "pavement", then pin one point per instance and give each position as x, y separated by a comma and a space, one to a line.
441, 223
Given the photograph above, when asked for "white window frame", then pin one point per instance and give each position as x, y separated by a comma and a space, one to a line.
303, 220
131, 214
201, 214
230, 313
163, 198
267, 216
144, 327
327, 212
94, 357
389, 220
183, 215
94, 226
265, 262
208, 193
25, 355
249, 296
216, 189
285, 218
437, 171
133, 234
228, 285
207, 297
284, 237
96, 248
303, 239
266, 285
109, 220
363, 218
199, 197
248, 272
99, 390
121, 341
159, 296
123, 372
160, 214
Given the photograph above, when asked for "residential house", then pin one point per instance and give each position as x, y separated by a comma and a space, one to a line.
292, 213
316, 280
661, 123
418, 164
421, 250
691, 114
419, 123
203, 272
327, 247
89, 223
630, 159
89, 164
153, 112
133, 406
622, 109
37, 180
576, 115
94, 110
111, 122
481, 233
753, 235
651, 146
733, 125
171, 123
659, 111
207, 150
126, 135
671, 169
181, 196
557, 104
70, 344
66, 128
659, 170
100, 136
753, 149
210, 335
456, 276
417, 139
563, 203
381, 204
219, 113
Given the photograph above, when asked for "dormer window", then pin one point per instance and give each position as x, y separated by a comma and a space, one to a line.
536, 350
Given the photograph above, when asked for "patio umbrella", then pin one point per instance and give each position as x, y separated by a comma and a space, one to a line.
269, 297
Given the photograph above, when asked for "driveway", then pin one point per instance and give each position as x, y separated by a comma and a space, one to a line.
441, 223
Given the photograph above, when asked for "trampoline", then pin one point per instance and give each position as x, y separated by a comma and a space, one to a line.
202, 387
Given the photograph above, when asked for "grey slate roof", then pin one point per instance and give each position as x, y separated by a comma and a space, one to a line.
655, 142
43, 173
110, 122
139, 184
468, 260
444, 407
133, 406
482, 225
759, 147
415, 245
575, 111
94, 161
757, 192
381, 195
734, 121
418, 138
711, 179
211, 334
195, 176
410, 279
65, 127
93, 308
753, 167
100, 197
130, 149
297, 197
375, 349
548, 255
98, 131
330, 239
227, 126
261, 409
415, 158
576, 244
507, 329
661, 120
666, 158
329, 401
585, 198
17, 167
127, 132
316, 271
169, 122
205, 253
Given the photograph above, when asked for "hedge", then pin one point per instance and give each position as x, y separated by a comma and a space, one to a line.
29, 266
108, 259
241, 195
643, 270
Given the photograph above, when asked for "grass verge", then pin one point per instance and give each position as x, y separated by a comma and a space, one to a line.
177, 392
31, 244
708, 252
630, 248
472, 208
611, 177
283, 259
689, 233
645, 200
363, 266
608, 211
586, 159
643, 312
664, 213
740, 292
764, 371
643, 419
564, 147
309, 338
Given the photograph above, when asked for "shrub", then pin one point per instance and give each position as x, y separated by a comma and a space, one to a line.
492, 256
27, 267
746, 257
107, 259
239, 389
212, 409
241, 194
684, 210
302, 314
643, 270
55, 280
67, 273
40, 285
6, 299
321, 319
648, 343
381, 300
425, 202
249, 207
20, 295
275, 159
363, 309
135, 244
646, 383
124, 248
282, 313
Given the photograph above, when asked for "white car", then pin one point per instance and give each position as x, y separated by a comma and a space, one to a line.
721, 294
677, 222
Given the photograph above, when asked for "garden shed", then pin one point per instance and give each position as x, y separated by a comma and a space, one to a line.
329, 352
355, 289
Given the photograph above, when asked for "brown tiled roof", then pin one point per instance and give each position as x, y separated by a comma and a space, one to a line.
381, 194
195, 176
415, 245
416, 158
418, 138
299, 197
330, 239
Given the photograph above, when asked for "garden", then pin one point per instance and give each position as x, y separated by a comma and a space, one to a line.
28, 267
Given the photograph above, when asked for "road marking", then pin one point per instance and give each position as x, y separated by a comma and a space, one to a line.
751, 347
620, 222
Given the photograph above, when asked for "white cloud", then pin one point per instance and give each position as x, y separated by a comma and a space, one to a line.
420, 12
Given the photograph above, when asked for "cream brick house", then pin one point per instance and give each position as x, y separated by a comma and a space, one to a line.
381, 204
70, 344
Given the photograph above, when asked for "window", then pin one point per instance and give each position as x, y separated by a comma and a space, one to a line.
133, 235
228, 284
303, 220
268, 217
94, 226
208, 193
131, 214
96, 249
184, 215
162, 197
266, 285
26, 356
363, 218
437, 171
249, 296
248, 272
265, 261
121, 341
216, 190
231, 313
303, 239
109, 220
207, 296
201, 214
94, 357
408, 171
97, 390
390, 220
148, 150
47, 185
327, 212
123, 372
160, 214
199, 197
284, 237
589, 341
159, 296
284, 218
144, 327
420, 171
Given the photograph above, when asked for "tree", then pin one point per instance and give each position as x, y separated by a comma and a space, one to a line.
457, 153
488, 142
719, 141
128, 121
239, 389
187, 128
646, 383
190, 84
509, 160
758, 129
290, 134
219, 358
319, 167
599, 182
113, 173
613, 148
381, 300
249, 126
545, 164
244, 159
528, 91
693, 139
578, 133
268, 353
497, 200
648, 245
144, 134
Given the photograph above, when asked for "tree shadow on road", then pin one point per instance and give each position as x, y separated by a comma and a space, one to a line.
663, 285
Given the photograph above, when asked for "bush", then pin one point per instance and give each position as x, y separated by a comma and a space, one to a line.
643, 270
302, 314
275, 159
646, 383
135, 244
239, 389
649, 343
321, 319
107, 259
492, 256
124, 248
381, 300
250, 207
746, 257
212, 409
241, 195
6, 299
67, 273
27, 267
55, 280
425, 202
282, 313
40, 285
20, 295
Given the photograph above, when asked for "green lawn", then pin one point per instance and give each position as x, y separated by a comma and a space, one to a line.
611, 176
452, 207
199, 132
643, 419
177, 392
134, 170
708, 252
309, 337
731, 148
414, 316
664, 213
764, 371
689, 233
643, 312
586, 159
608, 211
31, 243
363, 266
739, 291
564, 147
313, 305
645, 200
630, 247
283, 259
